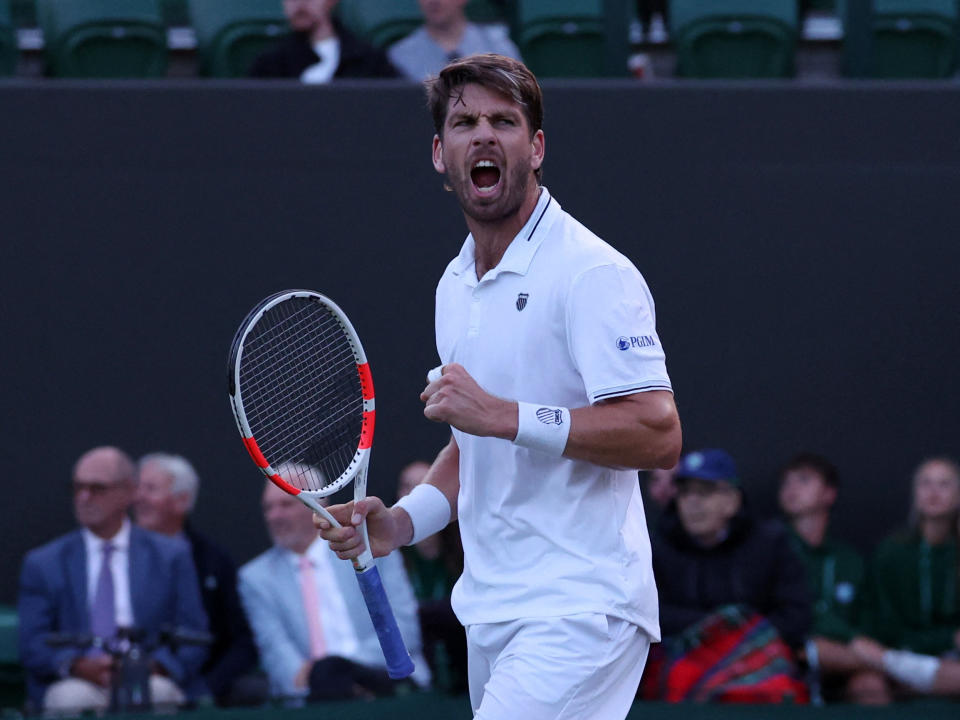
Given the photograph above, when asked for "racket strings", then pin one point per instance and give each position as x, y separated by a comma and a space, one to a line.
301, 390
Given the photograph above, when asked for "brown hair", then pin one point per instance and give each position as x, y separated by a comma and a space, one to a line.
495, 72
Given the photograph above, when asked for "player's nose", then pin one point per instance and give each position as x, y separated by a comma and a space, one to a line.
483, 133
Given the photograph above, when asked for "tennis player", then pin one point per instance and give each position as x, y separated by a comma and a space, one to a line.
555, 387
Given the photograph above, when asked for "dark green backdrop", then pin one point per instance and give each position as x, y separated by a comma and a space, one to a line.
800, 241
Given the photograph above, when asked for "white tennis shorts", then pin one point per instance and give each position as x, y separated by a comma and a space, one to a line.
583, 667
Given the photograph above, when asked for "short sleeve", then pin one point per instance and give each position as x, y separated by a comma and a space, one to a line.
611, 330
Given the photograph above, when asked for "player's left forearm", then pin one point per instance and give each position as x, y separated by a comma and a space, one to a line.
639, 431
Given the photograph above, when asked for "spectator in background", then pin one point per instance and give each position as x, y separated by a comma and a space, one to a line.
658, 490
913, 602
445, 36
434, 564
917, 673
720, 571
105, 576
835, 574
662, 486
309, 619
167, 488
319, 48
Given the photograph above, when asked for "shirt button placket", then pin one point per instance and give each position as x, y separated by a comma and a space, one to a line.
475, 311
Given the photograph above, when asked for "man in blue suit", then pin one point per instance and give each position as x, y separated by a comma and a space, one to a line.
105, 576
308, 617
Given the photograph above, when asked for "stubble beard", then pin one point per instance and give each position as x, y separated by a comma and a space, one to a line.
506, 206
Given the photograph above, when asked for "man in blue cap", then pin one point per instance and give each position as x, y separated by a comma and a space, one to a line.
710, 556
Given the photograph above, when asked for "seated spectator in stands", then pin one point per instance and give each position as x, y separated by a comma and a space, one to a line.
918, 674
434, 564
445, 36
720, 573
319, 48
167, 488
659, 488
913, 601
309, 619
106, 576
835, 574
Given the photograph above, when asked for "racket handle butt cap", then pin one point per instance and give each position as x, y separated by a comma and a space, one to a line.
435, 374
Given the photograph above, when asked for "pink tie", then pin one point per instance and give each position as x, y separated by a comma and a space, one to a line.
311, 604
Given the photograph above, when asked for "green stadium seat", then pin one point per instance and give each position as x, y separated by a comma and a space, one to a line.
734, 38
12, 691
381, 22
486, 11
562, 38
8, 40
915, 38
103, 38
24, 13
231, 33
175, 13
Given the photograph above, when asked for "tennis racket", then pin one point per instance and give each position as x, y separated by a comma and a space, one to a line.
302, 396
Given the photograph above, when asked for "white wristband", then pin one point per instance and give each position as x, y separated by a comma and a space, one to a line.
428, 508
917, 671
541, 427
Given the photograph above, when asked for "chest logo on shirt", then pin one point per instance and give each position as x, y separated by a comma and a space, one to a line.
522, 301
635, 341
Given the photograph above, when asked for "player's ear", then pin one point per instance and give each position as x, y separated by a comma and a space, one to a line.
438, 155
537, 143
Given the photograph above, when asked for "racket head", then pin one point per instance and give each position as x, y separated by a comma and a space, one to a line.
302, 393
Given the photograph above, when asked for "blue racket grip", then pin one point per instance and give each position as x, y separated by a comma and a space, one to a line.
399, 664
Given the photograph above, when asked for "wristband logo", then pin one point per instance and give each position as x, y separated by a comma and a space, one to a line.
550, 416
635, 341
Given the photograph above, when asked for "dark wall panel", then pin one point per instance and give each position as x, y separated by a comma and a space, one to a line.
800, 243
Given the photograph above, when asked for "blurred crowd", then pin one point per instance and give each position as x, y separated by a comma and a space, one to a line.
759, 609
752, 609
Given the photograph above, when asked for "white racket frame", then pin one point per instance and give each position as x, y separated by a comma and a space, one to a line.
356, 471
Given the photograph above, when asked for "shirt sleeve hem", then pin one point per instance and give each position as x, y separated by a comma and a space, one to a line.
621, 390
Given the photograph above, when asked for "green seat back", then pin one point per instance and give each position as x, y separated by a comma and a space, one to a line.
734, 38
12, 690
915, 38
8, 40
486, 11
175, 13
9, 654
24, 13
381, 22
103, 38
231, 33
562, 38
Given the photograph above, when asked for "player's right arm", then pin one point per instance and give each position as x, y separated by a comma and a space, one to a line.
389, 528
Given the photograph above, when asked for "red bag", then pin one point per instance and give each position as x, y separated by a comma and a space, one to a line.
730, 656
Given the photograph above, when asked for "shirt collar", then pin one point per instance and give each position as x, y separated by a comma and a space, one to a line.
521, 249
120, 541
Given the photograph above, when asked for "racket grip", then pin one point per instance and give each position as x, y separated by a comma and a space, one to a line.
435, 374
399, 664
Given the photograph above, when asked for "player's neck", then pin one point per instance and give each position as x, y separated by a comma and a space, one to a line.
812, 527
448, 35
491, 239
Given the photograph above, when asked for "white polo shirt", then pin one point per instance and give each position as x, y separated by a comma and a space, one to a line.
563, 319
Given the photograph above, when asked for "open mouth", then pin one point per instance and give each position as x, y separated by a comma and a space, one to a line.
485, 175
